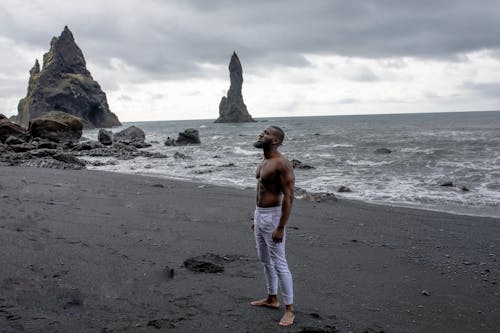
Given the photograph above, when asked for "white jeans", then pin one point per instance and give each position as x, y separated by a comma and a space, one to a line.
271, 254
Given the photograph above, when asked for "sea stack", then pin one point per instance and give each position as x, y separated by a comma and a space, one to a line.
232, 109
64, 84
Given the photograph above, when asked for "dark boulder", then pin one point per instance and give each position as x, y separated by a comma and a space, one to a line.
13, 140
188, 137
56, 126
169, 142
8, 129
105, 137
181, 156
43, 152
207, 263
314, 196
69, 159
129, 135
88, 145
232, 109
47, 145
343, 189
296, 164
64, 84
382, 151
22, 147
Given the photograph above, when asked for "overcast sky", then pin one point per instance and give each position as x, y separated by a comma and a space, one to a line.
160, 60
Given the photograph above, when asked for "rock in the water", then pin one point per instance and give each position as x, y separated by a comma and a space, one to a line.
382, 151
296, 164
8, 129
130, 135
343, 189
105, 137
169, 142
56, 126
300, 193
181, 156
188, 137
232, 109
64, 84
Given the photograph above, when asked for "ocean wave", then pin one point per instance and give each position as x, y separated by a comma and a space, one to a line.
436, 149
241, 151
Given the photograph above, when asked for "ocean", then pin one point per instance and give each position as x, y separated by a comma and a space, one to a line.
428, 149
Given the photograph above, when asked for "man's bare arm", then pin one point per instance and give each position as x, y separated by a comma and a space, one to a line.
287, 179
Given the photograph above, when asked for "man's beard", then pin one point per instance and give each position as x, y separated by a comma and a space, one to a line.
259, 144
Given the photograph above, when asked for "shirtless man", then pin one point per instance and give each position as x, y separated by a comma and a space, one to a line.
275, 188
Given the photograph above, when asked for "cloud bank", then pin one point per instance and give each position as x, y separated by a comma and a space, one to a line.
308, 56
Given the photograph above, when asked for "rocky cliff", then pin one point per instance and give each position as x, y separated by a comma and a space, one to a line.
232, 109
64, 84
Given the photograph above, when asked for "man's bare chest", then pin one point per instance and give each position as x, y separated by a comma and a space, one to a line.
267, 172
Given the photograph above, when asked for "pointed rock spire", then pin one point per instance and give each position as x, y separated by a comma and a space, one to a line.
64, 84
65, 55
232, 109
35, 69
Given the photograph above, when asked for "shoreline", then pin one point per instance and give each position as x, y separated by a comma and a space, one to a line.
98, 251
337, 195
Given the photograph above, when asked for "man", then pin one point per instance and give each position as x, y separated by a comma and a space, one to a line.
275, 188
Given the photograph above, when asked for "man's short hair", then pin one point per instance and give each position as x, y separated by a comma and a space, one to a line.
280, 133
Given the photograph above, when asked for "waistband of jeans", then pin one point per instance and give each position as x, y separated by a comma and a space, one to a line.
268, 209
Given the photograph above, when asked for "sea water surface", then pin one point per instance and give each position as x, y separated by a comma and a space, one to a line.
427, 150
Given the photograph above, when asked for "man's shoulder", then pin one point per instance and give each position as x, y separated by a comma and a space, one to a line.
284, 163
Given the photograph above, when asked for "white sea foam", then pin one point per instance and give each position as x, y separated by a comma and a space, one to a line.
241, 151
439, 150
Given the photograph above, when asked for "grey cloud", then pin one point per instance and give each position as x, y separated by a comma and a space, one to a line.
362, 74
347, 101
157, 96
488, 90
168, 39
125, 98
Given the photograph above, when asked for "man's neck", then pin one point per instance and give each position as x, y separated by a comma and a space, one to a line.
270, 152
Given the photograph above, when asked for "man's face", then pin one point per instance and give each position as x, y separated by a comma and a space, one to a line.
266, 138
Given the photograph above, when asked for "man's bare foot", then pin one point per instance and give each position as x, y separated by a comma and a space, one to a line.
287, 318
268, 303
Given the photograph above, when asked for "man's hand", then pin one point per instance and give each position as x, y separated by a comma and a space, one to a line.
278, 234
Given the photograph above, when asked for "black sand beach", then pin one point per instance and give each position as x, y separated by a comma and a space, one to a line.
86, 251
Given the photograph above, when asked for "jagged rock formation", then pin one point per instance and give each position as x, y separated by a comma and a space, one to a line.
64, 84
232, 109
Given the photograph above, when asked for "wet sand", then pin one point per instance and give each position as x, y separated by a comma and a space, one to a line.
88, 251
